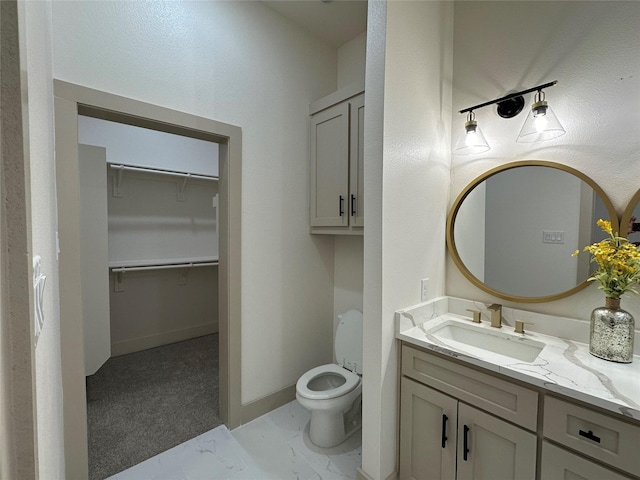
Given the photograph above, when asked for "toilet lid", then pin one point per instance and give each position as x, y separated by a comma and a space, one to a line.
348, 342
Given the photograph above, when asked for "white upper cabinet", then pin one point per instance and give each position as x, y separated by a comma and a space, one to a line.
336, 187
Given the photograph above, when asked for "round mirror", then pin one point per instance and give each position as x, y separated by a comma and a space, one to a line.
630, 222
512, 231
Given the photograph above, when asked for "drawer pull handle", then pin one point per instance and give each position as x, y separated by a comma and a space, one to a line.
444, 429
465, 444
341, 205
589, 435
353, 205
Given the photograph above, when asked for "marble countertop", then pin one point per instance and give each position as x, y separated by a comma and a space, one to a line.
564, 365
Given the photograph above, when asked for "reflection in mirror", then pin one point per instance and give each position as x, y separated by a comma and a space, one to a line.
512, 231
630, 222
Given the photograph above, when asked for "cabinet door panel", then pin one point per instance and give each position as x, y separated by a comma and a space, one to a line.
356, 166
330, 167
492, 449
423, 432
559, 464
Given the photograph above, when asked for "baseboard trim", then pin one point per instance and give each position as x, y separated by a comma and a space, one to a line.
265, 404
157, 340
362, 475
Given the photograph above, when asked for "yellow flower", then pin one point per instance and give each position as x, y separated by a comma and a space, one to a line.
618, 263
605, 225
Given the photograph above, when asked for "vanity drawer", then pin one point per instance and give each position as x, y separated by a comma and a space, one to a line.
560, 464
602, 437
512, 402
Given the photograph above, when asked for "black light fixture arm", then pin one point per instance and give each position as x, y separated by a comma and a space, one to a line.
509, 97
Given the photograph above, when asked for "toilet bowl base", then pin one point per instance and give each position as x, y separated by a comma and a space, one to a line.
331, 428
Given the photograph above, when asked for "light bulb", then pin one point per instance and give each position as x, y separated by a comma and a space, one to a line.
540, 122
471, 139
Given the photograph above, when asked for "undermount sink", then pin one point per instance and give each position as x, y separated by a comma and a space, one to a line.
491, 340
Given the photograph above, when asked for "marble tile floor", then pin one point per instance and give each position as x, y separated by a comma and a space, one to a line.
275, 446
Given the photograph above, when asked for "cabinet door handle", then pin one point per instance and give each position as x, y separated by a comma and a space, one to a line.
465, 444
353, 205
341, 205
444, 429
589, 435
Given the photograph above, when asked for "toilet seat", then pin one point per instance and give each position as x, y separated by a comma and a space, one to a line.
351, 381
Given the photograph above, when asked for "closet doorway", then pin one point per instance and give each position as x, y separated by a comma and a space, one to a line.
149, 259
70, 102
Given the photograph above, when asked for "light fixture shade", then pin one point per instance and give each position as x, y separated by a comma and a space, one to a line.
541, 124
472, 141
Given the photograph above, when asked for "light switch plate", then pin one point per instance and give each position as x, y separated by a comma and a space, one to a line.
552, 236
424, 290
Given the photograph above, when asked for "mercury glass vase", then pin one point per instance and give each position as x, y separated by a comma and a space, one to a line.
612, 329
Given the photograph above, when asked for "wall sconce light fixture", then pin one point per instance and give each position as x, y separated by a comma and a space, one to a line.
472, 141
541, 123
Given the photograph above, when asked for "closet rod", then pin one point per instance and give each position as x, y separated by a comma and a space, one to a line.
163, 267
121, 167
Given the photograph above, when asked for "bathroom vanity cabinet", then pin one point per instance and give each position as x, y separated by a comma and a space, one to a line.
446, 431
458, 422
336, 164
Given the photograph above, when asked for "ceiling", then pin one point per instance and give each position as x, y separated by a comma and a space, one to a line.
333, 22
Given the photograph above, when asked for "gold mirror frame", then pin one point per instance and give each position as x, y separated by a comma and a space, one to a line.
451, 245
626, 216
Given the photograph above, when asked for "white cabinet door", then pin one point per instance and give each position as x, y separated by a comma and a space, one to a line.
329, 202
428, 421
559, 464
356, 165
492, 449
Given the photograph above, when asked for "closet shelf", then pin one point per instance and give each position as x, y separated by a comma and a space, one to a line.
138, 265
121, 168
131, 168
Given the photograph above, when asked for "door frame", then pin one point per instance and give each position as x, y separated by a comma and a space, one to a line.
70, 101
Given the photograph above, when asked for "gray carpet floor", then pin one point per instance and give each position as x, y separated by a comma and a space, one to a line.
141, 404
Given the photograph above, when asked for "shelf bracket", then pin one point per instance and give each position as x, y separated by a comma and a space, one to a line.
117, 181
184, 276
215, 204
182, 193
117, 282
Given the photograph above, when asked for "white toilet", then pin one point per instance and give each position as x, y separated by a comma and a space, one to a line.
333, 392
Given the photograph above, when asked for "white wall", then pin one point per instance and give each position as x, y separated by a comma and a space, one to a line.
591, 48
37, 31
406, 189
352, 61
130, 145
240, 63
348, 275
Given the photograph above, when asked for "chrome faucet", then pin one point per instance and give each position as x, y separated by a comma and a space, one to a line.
496, 315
